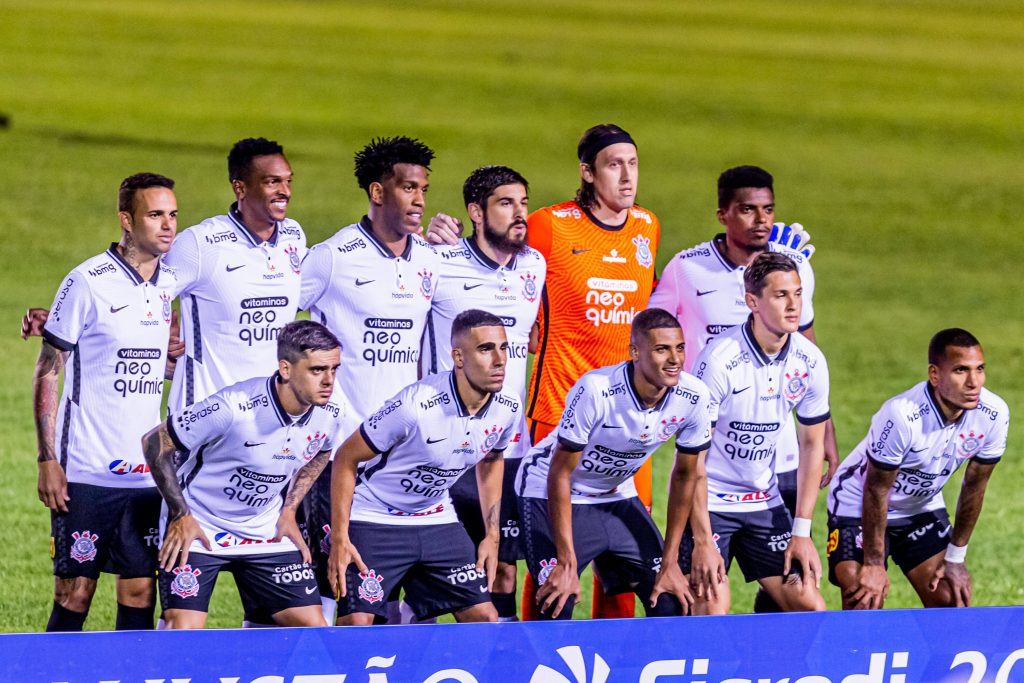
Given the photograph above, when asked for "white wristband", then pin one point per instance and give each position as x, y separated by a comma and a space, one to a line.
956, 553
802, 527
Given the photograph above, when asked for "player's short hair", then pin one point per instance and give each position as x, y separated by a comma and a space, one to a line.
136, 182
652, 319
244, 151
943, 339
741, 176
482, 183
756, 275
375, 163
472, 318
593, 141
300, 336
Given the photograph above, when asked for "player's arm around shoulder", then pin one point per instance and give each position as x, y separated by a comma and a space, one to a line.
52, 485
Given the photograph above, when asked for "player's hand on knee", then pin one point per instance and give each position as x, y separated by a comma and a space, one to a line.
444, 229
670, 580
707, 571
53, 486
32, 322
178, 538
955, 574
487, 560
343, 553
871, 589
287, 527
801, 550
792, 236
561, 585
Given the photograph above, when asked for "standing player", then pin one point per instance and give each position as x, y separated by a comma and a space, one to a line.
496, 271
246, 444
579, 503
887, 496
372, 284
758, 373
703, 287
393, 523
108, 331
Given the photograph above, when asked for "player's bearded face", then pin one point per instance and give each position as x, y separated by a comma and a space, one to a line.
958, 379
778, 307
504, 222
482, 353
268, 189
402, 198
614, 173
658, 356
748, 218
311, 378
154, 221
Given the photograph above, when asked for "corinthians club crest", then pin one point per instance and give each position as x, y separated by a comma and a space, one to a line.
293, 258
969, 444
185, 583
426, 283
84, 547
314, 444
669, 427
795, 385
546, 567
491, 438
165, 298
371, 589
529, 287
643, 251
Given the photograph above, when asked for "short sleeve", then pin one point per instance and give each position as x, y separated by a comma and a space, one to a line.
72, 313
392, 424
995, 443
185, 258
888, 439
812, 407
666, 295
715, 376
580, 416
316, 275
695, 435
201, 422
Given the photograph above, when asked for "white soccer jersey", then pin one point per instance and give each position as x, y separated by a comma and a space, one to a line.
115, 325
910, 434
426, 439
751, 395
242, 451
511, 292
705, 292
376, 304
237, 293
616, 433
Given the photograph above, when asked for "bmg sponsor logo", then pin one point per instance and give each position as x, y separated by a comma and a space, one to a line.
257, 321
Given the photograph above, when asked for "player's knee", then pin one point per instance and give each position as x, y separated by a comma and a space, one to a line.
356, 619
136, 592
485, 611
505, 578
183, 619
74, 594
667, 605
300, 616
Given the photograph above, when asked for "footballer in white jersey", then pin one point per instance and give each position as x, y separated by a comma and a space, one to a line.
240, 277
887, 496
492, 270
108, 331
253, 449
392, 520
758, 373
577, 483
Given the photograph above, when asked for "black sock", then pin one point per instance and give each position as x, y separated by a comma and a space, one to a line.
134, 618
763, 603
505, 603
62, 619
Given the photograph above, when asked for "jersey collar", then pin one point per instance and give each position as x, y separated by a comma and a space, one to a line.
282, 415
603, 226
719, 239
236, 217
129, 270
628, 371
483, 258
755, 348
460, 406
940, 418
366, 226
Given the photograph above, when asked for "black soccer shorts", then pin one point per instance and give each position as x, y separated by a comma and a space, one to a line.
910, 541
466, 500
757, 539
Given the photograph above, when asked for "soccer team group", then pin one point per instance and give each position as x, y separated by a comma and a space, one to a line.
388, 461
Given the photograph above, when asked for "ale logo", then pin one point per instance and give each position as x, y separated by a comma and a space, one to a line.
573, 658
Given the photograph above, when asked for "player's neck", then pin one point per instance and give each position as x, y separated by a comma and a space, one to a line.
608, 215
741, 256
770, 342
145, 264
474, 399
650, 394
499, 256
950, 413
289, 401
260, 226
395, 240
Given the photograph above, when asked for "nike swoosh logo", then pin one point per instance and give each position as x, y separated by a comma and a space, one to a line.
739, 391
249, 444
700, 293
469, 287
918, 450
943, 534
360, 283
115, 310
579, 251
310, 590
607, 426
483, 589
232, 269
433, 441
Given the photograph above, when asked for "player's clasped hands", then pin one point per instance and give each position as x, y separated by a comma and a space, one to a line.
562, 585
343, 553
178, 539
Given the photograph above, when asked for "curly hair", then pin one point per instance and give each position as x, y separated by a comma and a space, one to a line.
376, 162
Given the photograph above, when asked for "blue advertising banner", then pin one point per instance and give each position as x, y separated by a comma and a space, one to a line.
977, 645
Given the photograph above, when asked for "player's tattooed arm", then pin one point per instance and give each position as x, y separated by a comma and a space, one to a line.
489, 474
52, 486
304, 479
872, 580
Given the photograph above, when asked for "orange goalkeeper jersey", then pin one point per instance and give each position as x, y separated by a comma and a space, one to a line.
599, 277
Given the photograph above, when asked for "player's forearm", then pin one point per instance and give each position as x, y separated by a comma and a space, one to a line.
560, 512
808, 476
305, 478
969, 502
159, 449
874, 515
700, 518
343, 485
681, 487
45, 399
489, 474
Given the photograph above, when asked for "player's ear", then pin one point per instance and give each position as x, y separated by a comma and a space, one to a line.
720, 215
376, 192
284, 368
239, 189
751, 300
634, 352
476, 213
126, 220
457, 356
933, 374
586, 172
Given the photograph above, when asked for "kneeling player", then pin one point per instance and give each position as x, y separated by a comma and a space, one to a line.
244, 444
758, 373
393, 524
892, 481
578, 501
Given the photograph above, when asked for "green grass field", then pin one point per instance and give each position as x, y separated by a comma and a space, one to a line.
893, 130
